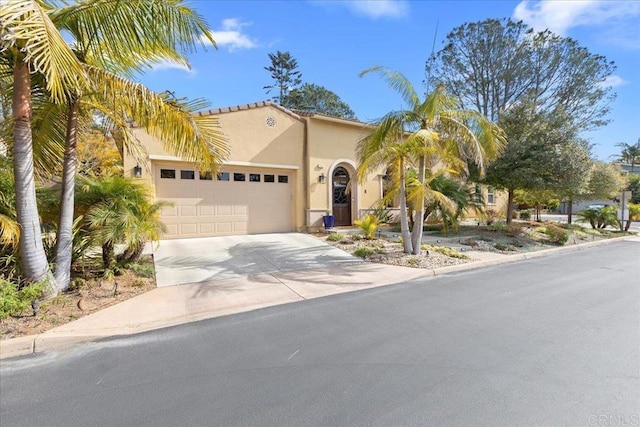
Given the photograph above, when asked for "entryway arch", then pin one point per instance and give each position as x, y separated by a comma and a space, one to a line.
343, 192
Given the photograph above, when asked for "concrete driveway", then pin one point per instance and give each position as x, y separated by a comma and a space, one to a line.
215, 258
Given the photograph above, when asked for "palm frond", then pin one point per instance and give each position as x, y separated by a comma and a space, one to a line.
397, 82
129, 35
194, 137
26, 27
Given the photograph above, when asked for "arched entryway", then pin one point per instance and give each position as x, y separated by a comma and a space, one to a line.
341, 197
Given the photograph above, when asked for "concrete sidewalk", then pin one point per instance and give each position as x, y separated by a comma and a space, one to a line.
176, 305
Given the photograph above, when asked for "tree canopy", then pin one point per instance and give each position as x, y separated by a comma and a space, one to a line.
317, 99
493, 64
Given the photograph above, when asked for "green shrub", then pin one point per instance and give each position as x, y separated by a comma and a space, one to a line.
556, 234
450, 252
634, 211
143, 270
525, 215
335, 237
500, 227
368, 224
14, 301
364, 251
599, 217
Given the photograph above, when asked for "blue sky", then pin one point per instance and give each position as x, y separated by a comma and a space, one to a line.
334, 41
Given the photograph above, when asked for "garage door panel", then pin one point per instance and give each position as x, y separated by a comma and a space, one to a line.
223, 210
217, 208
187, 211
207, 227
224, 228
188, 229
206, 211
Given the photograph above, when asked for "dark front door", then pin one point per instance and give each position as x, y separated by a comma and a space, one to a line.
341, 198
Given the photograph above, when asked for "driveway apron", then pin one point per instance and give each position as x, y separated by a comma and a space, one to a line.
215, 258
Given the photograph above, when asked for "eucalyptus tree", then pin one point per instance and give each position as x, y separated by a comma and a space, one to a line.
441, 135
30, 43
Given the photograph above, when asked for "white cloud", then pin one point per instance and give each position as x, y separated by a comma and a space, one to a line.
231, 37
170, 65
613, 81
619, 20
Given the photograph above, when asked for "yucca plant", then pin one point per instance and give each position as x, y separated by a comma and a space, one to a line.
368, 224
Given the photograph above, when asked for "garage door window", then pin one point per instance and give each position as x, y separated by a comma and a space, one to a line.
168, 173
254, 177
283, 179
223, 176
187, 175
206, 176
239, 177
269, 178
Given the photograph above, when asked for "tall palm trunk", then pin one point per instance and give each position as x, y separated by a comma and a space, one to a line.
64, 241
32, 256
416, 233
404, 220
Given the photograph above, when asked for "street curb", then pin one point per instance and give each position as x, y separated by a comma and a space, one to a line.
32, 344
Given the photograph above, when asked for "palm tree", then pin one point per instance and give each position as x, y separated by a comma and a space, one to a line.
117, 210
386, 147
441, 135
630, 153
112, 39
30, 41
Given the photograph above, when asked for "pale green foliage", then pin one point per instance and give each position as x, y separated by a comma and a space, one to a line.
368, 224
450, 252
14, 301
335, 237
605, 181
556, 234
634, 211
365, 251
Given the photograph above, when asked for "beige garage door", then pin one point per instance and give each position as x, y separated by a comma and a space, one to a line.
240, 201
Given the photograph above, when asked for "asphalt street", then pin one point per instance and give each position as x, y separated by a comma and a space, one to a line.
547, 341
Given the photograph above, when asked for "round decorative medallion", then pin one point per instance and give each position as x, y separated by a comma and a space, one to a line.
271, 122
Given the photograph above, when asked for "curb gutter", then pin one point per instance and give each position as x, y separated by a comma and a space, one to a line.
32, 344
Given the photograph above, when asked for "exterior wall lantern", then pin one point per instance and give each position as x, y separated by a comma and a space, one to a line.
321, 178
137, 171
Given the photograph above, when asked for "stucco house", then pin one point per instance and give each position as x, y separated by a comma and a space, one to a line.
284, 172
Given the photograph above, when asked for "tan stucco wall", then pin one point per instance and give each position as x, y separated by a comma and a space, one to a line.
252, 143
332, 143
